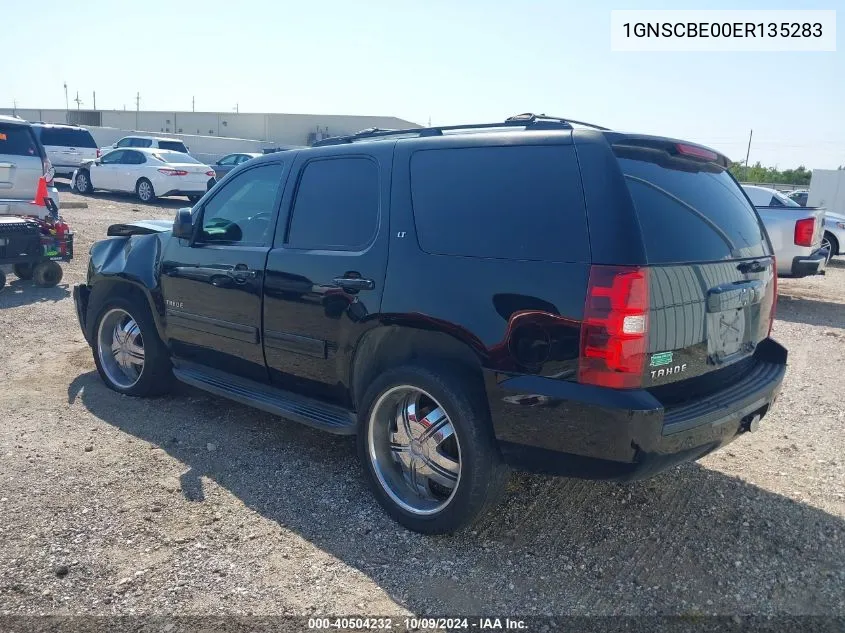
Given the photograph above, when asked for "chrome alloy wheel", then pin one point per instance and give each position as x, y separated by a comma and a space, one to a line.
414, 450
120, 348
826, 244
145, 191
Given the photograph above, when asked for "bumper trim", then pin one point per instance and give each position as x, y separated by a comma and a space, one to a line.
813, 265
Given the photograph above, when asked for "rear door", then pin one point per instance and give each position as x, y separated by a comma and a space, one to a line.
711, 270
325, 273
20, 162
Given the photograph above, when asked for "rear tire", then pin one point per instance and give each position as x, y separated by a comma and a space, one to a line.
23, 271
433, 483
144, 190
130, 357
47, 274
833, 245
83, 182
2, 280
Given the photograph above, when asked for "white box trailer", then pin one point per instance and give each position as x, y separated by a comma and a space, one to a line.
827, 189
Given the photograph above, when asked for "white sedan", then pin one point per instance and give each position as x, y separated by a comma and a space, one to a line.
149, 172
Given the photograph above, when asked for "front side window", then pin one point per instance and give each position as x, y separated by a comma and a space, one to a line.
125, 142
228, 160
112, 158
242, 210
336, 206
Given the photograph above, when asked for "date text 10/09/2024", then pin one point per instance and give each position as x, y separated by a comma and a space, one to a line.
414, 623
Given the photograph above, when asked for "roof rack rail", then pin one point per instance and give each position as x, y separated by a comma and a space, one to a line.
528, 120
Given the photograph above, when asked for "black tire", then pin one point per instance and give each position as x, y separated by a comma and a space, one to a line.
2, 280
194, 199
834, 244
156, 377
47, 274
144, 194
83, 182
483, 475
23, 270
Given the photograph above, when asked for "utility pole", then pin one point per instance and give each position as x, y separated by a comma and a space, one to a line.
14, 107
748, 153
78, 101
137, 109
95, 99
193, 104
67, 107
236, 108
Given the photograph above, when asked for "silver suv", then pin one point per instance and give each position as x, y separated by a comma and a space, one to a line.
67, 146
22, 162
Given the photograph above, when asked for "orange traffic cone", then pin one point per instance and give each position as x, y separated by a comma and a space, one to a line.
41, 193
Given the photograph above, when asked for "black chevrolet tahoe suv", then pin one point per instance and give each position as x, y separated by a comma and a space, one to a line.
536, 294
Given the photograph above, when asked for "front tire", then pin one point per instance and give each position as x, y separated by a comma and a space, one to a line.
129, 355
2, 280
427, 447
144, 190
83, 182
47, 274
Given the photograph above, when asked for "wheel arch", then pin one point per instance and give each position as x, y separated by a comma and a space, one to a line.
105, 287
834, 243
389, 345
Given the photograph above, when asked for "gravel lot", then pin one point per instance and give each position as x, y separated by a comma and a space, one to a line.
191, 504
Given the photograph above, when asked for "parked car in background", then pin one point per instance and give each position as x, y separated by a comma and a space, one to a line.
799, 196
230, 161
795, 232
150, 173
23, 161
67, 146
453, 297
150, 142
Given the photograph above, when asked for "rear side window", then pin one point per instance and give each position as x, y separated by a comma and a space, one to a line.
336, 205
689, 211
66, 137
174, 146
515, 202
17, 140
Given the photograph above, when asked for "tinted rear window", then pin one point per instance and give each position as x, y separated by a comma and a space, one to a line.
66, 137
17, 140
689, 211
514, 202
175, 146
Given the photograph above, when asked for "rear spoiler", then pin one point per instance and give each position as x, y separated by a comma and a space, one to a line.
672, 148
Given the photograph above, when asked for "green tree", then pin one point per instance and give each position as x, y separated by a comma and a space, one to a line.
771, 175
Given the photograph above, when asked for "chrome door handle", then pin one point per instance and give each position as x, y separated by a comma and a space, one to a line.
354, 283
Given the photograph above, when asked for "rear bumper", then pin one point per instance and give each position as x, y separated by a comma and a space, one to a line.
813, 264
14, 206
563, 428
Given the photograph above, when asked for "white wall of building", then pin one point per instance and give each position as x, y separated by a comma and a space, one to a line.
281, 129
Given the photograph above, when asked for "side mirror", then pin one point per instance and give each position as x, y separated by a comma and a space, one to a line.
183, 226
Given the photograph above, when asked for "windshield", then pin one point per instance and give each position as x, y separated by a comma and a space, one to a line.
787, 201
176, 157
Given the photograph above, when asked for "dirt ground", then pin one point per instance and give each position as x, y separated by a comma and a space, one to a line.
191, 504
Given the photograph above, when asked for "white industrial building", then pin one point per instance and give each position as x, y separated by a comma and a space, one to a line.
281, 129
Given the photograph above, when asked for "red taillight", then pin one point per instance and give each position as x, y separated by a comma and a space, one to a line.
98, 152
210, 173
774, 294
615, 327
172, 172
696, 152
804, 231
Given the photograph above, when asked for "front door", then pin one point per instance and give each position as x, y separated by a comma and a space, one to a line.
212, 284
325, 273
104, 172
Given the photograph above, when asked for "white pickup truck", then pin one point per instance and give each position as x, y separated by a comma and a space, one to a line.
795, 232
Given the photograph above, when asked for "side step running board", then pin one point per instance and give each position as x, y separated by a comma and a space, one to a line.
294, 407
